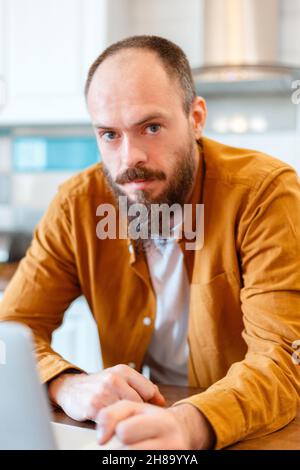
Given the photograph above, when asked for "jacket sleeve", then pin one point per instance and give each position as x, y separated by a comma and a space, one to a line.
44, 285
261, 393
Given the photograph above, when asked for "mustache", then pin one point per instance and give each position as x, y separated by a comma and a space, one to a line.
132, 174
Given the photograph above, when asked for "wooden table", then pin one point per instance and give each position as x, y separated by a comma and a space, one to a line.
287, 438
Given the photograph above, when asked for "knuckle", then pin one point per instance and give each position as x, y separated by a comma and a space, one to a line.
110, 379
99, 399
94, 401
121, 369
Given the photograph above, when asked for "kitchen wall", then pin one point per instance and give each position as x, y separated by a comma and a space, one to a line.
269, 122
42, 96
45, 50
33, 163
179, 21
275, 116
290, 30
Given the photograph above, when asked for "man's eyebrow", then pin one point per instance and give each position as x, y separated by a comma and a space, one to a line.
150, 117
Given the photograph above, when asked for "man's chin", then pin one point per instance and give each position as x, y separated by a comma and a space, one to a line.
140, 197
143, 196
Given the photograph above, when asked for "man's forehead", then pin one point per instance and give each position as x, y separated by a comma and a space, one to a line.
133, 73
129, 86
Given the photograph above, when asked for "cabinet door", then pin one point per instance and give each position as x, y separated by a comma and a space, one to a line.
77, 340
2, 54
177, 20
46, 48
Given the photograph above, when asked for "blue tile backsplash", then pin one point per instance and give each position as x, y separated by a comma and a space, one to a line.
36, 154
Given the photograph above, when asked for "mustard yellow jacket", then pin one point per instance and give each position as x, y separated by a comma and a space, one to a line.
245, 287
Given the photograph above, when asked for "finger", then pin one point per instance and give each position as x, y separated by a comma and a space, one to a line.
136, 429
104, 398
108, 418
118, 386
144, 387
157, 399
112, 392
126, 392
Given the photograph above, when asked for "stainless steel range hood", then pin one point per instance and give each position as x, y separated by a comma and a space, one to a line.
241, 48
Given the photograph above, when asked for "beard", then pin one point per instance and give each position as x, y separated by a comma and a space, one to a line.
177, 189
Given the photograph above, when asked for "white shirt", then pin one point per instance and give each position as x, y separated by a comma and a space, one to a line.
167, 355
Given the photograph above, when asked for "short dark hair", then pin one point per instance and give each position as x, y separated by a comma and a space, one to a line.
172, 56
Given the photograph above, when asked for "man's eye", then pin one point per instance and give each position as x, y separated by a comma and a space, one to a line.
109, 135
153, 128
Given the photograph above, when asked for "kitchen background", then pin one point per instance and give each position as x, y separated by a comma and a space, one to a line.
46, 48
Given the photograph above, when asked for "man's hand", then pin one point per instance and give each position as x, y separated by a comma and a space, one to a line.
81, 396
144, 426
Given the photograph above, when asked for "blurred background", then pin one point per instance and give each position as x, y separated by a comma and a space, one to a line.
245, 56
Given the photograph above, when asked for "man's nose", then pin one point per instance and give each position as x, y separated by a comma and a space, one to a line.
132, 153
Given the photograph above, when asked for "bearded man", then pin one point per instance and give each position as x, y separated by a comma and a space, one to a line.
223, 316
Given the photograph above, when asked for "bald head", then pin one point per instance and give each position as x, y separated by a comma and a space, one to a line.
165, 52
130, 80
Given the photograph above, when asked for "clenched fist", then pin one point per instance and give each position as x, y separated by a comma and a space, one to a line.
82, 396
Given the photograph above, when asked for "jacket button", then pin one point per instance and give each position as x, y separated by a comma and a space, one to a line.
132, 365
147, 321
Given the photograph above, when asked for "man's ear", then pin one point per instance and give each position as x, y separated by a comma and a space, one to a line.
198, 116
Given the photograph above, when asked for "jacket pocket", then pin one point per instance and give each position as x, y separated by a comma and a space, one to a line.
215, 327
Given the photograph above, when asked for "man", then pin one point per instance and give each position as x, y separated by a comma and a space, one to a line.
223, 316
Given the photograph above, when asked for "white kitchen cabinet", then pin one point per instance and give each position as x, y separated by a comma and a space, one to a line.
176, 20
46, 48
2, 81
77, 339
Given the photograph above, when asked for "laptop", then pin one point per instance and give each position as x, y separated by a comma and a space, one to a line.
25, 416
